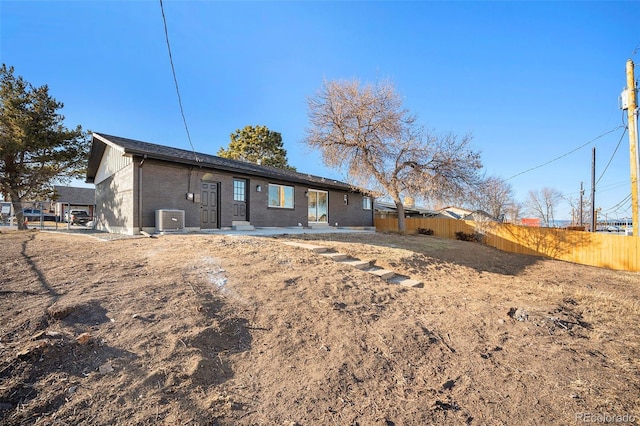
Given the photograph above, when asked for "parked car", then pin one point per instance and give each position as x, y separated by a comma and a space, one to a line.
34, 215
77, 217
31, 213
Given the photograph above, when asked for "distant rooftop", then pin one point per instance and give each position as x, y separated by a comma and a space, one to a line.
74, 195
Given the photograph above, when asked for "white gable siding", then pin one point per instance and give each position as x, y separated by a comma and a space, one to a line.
116, 202
112, 162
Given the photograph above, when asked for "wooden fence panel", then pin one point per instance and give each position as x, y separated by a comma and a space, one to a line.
586, 248
441, 227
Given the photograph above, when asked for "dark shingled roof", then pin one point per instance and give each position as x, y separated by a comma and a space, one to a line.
75, 195
182, 156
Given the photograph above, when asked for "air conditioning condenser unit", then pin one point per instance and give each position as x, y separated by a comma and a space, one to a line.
169, 220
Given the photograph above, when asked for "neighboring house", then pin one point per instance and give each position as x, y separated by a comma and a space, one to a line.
31, 210
465, 214
67, 198
385, 209
64, 198
480, 216
454, 212
138, 182
6, 211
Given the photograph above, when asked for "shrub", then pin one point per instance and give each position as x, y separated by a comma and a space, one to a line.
423, 231
463, 236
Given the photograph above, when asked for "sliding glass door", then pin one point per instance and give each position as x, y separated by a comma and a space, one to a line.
318, 206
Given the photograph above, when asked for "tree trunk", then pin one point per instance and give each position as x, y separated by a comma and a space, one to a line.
17, 211
400, 209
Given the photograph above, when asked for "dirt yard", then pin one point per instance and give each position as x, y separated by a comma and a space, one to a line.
208, 330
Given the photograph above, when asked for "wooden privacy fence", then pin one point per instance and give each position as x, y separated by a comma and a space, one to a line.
586, 248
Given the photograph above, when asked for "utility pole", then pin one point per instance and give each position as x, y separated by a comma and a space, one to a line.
581, 204
593, 191
632, 114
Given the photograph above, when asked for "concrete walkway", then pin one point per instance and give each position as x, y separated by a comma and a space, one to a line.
294, 230
258, 232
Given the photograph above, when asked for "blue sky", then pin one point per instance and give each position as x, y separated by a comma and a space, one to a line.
531, 81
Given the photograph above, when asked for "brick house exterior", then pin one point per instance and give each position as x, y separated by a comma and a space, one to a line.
134, 179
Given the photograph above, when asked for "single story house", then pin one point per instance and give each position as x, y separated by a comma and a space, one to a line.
141, 186
67, 198
63, 199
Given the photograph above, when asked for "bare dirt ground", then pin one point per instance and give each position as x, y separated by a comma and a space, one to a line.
206, 330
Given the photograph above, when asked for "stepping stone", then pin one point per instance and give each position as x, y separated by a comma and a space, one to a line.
315, 249
335, 256
358, 264
390, 276
407, 282
385, 274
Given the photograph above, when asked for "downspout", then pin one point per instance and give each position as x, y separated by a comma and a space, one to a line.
140, 194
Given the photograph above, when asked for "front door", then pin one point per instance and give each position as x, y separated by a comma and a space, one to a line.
318, 206
240, 200
209, 205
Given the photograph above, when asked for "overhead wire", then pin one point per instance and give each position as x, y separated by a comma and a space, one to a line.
566, 154
616, 207
620, 203
612, 155
175, 80
612, 186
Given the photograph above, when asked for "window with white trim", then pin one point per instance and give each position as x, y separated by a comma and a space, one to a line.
366, 203
281, 196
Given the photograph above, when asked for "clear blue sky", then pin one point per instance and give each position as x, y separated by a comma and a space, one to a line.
531, 81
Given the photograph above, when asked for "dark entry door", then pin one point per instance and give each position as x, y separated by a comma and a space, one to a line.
209, 205
240, 200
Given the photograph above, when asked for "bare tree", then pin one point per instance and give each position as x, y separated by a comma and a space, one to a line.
364, 131
543, 204
513, 212
495, 196
581, 214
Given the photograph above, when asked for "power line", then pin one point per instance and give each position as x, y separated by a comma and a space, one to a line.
619, 204
612, 186
612, 155
175, 80
564, 155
